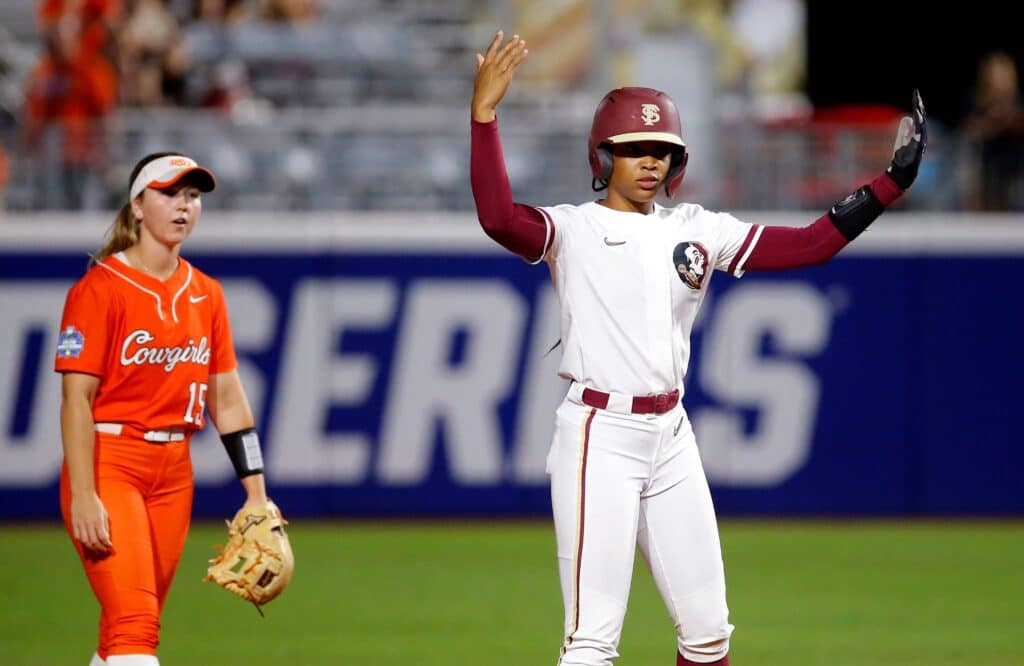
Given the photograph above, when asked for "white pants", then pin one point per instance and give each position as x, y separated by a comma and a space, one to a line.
619, 481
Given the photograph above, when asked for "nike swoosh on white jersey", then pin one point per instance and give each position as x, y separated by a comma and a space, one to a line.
196, 299
608, 242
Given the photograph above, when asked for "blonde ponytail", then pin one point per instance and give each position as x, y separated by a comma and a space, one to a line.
124, 233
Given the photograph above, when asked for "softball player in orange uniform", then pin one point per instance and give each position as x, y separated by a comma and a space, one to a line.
145, 348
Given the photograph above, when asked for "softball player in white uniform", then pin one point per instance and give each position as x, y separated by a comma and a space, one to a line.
630, 277
635, 473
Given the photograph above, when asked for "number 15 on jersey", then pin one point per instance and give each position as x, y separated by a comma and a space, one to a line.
196, 403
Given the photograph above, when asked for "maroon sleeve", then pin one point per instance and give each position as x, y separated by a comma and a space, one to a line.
785, 247
885, 189
518, 228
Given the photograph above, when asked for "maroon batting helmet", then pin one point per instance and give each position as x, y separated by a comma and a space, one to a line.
627, 115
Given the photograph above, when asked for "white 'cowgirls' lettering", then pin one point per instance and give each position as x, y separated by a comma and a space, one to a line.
166, 356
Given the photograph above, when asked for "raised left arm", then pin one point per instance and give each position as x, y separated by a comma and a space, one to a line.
783, 247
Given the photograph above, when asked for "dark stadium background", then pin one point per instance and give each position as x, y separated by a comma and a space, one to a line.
876, 52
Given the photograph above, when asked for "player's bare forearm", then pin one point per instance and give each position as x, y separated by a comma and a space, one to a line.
231, 413
228, 405
494, 70
78, 430
255, 489
88, 520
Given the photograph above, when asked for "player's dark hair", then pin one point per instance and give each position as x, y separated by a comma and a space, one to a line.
124, 232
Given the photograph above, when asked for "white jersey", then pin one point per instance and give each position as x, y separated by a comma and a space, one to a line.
630, 286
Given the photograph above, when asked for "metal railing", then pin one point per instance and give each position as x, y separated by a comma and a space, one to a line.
417, 158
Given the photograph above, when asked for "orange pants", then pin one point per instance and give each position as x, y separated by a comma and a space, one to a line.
147, 491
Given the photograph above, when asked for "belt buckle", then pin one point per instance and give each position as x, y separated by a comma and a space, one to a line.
661, 403
163, 436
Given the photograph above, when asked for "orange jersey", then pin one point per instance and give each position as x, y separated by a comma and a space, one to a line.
152, 344
97, 19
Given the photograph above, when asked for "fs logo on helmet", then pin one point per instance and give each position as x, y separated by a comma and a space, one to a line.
651, 113
691, 261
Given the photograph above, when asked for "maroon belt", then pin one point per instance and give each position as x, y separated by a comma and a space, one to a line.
642, 404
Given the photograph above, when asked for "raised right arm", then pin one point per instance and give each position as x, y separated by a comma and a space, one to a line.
518, 228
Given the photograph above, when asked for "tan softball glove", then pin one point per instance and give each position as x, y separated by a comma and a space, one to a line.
257, 562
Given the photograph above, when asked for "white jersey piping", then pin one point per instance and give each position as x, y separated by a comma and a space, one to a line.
159, 306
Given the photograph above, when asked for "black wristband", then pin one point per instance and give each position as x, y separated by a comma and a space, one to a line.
243, 448
853, 214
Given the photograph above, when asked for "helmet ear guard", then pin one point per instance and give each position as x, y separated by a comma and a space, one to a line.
676, 172
601, 161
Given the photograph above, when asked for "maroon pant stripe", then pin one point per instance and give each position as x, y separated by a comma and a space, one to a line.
583, 513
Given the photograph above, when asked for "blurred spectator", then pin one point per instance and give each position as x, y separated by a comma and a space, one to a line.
996, 123
225, 12
710, 20
154, 59
561, 35
70, 93
98, 20
218, 77
228, 85
294, 12
772, 36
760, 55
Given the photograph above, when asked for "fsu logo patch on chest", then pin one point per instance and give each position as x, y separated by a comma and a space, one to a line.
691, 262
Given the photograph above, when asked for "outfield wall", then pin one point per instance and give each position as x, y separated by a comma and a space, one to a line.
397, 365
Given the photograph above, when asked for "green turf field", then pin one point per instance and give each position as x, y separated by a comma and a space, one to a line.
856, 594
